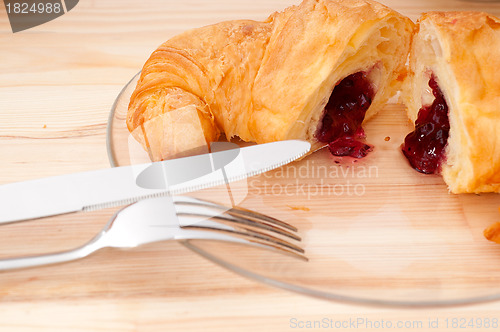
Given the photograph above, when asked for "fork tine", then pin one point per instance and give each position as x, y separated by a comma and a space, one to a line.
251, 234
249, 237
259, 224
252, 214
189, 217
202, 211
246, 241
236, 211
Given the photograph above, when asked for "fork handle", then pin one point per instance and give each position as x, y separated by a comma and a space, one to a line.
47, 259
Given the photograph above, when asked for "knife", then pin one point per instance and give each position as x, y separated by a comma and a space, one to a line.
105, 188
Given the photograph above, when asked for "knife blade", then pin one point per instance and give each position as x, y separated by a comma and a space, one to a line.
94, 190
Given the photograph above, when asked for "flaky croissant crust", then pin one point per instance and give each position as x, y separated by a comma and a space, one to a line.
462, 50
264, 81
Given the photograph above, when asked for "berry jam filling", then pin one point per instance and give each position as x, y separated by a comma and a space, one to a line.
424, 148
344, 113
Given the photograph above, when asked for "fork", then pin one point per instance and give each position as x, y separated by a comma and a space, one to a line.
177, 218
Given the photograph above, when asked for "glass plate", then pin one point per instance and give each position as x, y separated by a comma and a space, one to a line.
375, 231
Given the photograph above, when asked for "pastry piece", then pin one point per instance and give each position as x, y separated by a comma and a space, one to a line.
315, 71
453, 95
492, 233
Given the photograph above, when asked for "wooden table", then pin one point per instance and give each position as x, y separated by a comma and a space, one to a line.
58, 82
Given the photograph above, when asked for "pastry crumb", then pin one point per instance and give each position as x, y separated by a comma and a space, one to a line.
492, 233
387, 138
297, 208
44, 126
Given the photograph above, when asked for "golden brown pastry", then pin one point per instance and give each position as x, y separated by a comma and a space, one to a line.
272, 80
453, 95
492, 232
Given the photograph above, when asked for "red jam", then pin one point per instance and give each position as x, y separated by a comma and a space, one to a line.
424, 148
349, 146
345, 111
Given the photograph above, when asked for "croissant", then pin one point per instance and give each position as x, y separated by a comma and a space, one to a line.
453, 95
315, 72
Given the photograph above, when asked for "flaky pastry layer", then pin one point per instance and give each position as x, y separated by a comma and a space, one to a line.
265, 81
462, 50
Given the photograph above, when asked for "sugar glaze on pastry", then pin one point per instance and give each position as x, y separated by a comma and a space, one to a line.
271, 80
453, 95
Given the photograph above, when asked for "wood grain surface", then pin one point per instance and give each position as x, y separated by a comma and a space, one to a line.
58, 83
